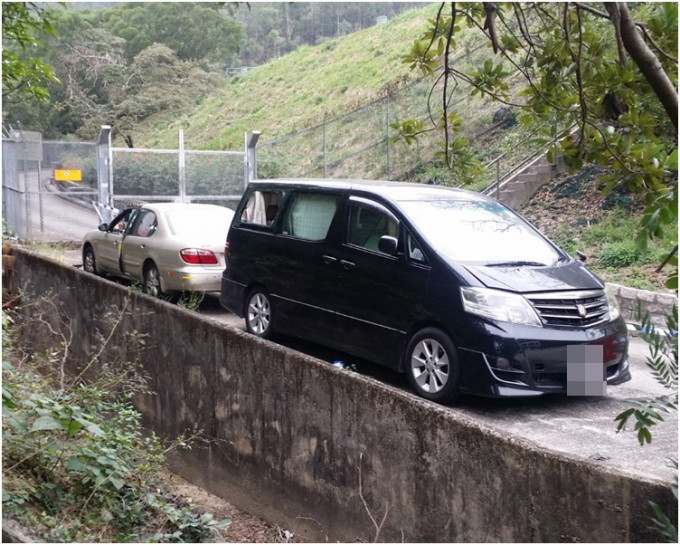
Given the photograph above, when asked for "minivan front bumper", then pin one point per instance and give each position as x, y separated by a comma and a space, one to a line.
526, 361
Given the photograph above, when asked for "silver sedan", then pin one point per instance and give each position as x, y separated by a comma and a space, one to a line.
167, 247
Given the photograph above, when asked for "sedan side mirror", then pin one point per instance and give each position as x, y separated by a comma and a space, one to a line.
103, 227
388, 245
581, 256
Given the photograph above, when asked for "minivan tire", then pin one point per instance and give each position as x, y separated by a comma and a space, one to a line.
258, 314
431, 364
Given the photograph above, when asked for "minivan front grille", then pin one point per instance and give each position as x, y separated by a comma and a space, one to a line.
571, 308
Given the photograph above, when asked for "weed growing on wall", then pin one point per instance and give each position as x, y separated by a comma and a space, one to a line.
76, 465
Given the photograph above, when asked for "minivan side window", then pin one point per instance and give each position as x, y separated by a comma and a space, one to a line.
309, 215
414, 251
367, 223
262, 207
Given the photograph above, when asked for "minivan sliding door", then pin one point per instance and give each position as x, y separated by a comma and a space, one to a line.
378, 293
305, 292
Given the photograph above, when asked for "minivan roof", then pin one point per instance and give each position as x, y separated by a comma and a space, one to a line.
396, 191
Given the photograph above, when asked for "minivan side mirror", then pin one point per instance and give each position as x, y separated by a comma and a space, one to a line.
388, 245
581, 256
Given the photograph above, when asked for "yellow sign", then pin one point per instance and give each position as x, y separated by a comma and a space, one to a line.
68, 175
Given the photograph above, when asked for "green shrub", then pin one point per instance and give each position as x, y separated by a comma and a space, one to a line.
76, 464
619, 254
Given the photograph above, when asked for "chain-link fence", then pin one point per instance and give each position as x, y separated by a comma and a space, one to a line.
33, 170
37, 175
358, 144
188, 176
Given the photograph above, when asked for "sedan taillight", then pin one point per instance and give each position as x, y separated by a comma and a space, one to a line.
197, 256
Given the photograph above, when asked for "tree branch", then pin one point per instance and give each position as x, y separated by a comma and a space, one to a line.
490, 24
649, 37
616, 21
447, 71
519, 68
648, 63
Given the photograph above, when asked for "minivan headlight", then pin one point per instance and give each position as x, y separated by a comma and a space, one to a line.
613, 303
499, 305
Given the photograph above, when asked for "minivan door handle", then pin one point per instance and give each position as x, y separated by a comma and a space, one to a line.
347, 264
328, 259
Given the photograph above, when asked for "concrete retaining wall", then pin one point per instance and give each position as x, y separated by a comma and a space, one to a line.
306, 444
658, 305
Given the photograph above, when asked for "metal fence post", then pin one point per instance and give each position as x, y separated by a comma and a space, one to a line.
104, 166
182, 168
387, 134
251, 156
27, 193
40, 198
498, 178
325, 161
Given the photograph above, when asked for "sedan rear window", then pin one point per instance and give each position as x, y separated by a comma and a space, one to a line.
479, 232
196, 222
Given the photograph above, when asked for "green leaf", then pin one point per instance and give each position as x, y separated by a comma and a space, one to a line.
93, 428
117, 483
74, 464
46, 422
71, 426
644, 436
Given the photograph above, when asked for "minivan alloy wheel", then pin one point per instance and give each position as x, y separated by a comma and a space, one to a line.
432, 365
259, 314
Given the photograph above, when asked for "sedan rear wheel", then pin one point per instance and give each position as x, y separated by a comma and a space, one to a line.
259, 314
152, 281
432, 365
89, 261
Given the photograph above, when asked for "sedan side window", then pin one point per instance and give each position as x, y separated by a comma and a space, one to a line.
146, 223
310, 215
121, 221
368, 223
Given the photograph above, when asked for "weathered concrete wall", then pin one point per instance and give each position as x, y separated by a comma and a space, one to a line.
311, 440
658, 305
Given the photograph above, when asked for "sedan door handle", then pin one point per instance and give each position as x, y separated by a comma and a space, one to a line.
329, 259
347, 264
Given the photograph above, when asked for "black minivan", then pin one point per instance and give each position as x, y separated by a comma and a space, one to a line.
447, 285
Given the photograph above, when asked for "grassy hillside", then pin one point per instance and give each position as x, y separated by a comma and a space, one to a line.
297, 90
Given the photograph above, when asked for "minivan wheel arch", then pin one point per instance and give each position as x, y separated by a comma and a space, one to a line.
432, 365
415, 328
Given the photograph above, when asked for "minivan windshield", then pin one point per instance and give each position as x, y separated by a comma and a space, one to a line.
479, 232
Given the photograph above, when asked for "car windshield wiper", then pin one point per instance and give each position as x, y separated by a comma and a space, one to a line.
516, 264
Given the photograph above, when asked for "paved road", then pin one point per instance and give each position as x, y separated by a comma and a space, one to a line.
55, 218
